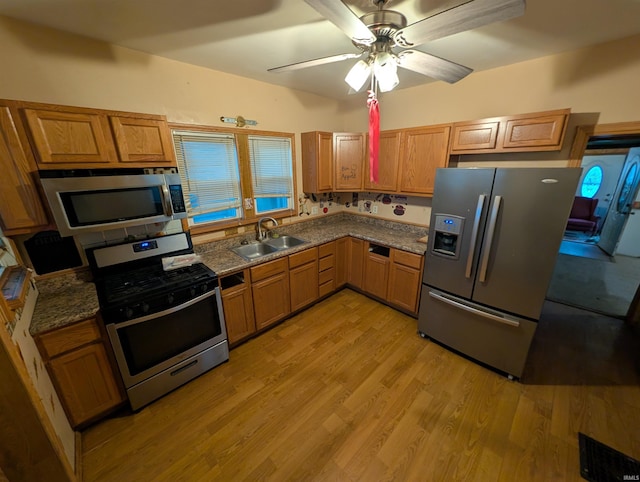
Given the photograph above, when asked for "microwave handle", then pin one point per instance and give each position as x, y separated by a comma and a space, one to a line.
166, 200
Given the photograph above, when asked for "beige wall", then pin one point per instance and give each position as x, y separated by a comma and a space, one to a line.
38, 64
601, 80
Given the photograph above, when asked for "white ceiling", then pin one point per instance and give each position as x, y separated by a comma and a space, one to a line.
247, 37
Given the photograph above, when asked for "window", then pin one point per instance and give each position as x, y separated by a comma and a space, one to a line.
271, 173
233, 177
591, 182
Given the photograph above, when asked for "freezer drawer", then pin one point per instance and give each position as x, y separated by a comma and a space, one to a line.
498, 340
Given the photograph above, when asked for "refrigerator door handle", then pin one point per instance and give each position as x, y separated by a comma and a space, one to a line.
491, 231
475, 311
474, 234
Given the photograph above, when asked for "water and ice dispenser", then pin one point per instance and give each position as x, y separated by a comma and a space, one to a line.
447, 235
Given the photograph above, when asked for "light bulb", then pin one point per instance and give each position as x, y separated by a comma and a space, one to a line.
358, 75
385, 70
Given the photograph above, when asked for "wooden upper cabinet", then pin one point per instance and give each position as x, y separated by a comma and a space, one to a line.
348, 157
66, 137
143, 140
474, 136
21, 207
388, 156
317, 162
70, 138
423, 150
539, 131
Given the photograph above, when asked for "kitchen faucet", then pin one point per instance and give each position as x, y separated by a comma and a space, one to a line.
262, 235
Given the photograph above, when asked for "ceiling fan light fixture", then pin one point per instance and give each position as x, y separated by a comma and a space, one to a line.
358, 75
385, 70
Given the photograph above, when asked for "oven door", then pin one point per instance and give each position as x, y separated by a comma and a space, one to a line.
146, 346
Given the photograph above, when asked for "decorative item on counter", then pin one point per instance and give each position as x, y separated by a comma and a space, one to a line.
239, 121
175, 262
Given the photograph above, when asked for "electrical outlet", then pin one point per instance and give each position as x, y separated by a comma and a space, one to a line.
314, 210
374, 209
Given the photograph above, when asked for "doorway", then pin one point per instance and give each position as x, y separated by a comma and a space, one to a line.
605, 279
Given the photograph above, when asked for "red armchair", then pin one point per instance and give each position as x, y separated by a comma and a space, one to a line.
582, 216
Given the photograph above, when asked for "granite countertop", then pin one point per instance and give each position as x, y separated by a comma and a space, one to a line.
72, 297
218, 257
63, 300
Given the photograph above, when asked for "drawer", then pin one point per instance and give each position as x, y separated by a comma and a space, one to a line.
326, 275
326, 288
327, 249
408, 259
69, 338
326, 263
303, 257
270, 268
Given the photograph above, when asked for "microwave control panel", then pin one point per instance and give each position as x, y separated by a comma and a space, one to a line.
177, 199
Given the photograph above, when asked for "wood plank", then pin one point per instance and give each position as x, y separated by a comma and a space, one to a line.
346, 390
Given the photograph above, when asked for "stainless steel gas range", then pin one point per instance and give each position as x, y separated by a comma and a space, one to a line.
165, 327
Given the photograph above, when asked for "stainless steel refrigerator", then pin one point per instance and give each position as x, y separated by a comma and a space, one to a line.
493, 241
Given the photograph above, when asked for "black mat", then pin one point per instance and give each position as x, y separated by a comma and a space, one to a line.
600, 463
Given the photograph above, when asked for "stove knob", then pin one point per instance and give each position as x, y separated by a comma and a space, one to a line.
145, 307
204, 287
193, 292
170, 298
128, 312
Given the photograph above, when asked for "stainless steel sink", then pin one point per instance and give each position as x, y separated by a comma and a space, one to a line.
284, 242
257, 250
253, 251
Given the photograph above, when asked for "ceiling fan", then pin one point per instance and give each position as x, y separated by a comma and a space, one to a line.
383, 35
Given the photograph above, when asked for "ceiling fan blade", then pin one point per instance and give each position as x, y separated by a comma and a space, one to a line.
314, 62
469, 15
341, 16
432, 66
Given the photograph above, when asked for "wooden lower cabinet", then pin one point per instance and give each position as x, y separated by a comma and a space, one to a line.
376, 270
405, 278
270, 291
81, 370
341, 262
238, 306
355, 262
303, 278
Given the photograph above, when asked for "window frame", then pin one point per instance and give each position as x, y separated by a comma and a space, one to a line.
241, 136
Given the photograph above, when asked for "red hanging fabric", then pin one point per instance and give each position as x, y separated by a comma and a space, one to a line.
374, 136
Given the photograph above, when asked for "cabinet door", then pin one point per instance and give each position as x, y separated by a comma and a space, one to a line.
540, 132
376, 275
238, 313
348, 156
355, 262
388, 157
404, 286
271, 299
303, 281
70, 138
317, 162
21, 207
143, 140
424, 149
341, 264
85, 383
474, 136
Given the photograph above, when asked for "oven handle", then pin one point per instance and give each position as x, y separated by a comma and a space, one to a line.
142, 319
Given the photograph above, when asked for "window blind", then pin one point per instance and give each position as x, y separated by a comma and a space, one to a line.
208, 167
271, 171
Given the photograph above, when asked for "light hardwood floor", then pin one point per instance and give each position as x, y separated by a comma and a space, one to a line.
347, 390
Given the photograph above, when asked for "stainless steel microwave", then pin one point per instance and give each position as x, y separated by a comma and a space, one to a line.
103, 202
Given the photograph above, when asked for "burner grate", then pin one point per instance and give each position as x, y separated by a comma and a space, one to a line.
601, 463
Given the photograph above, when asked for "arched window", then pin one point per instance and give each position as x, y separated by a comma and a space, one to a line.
591, 182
